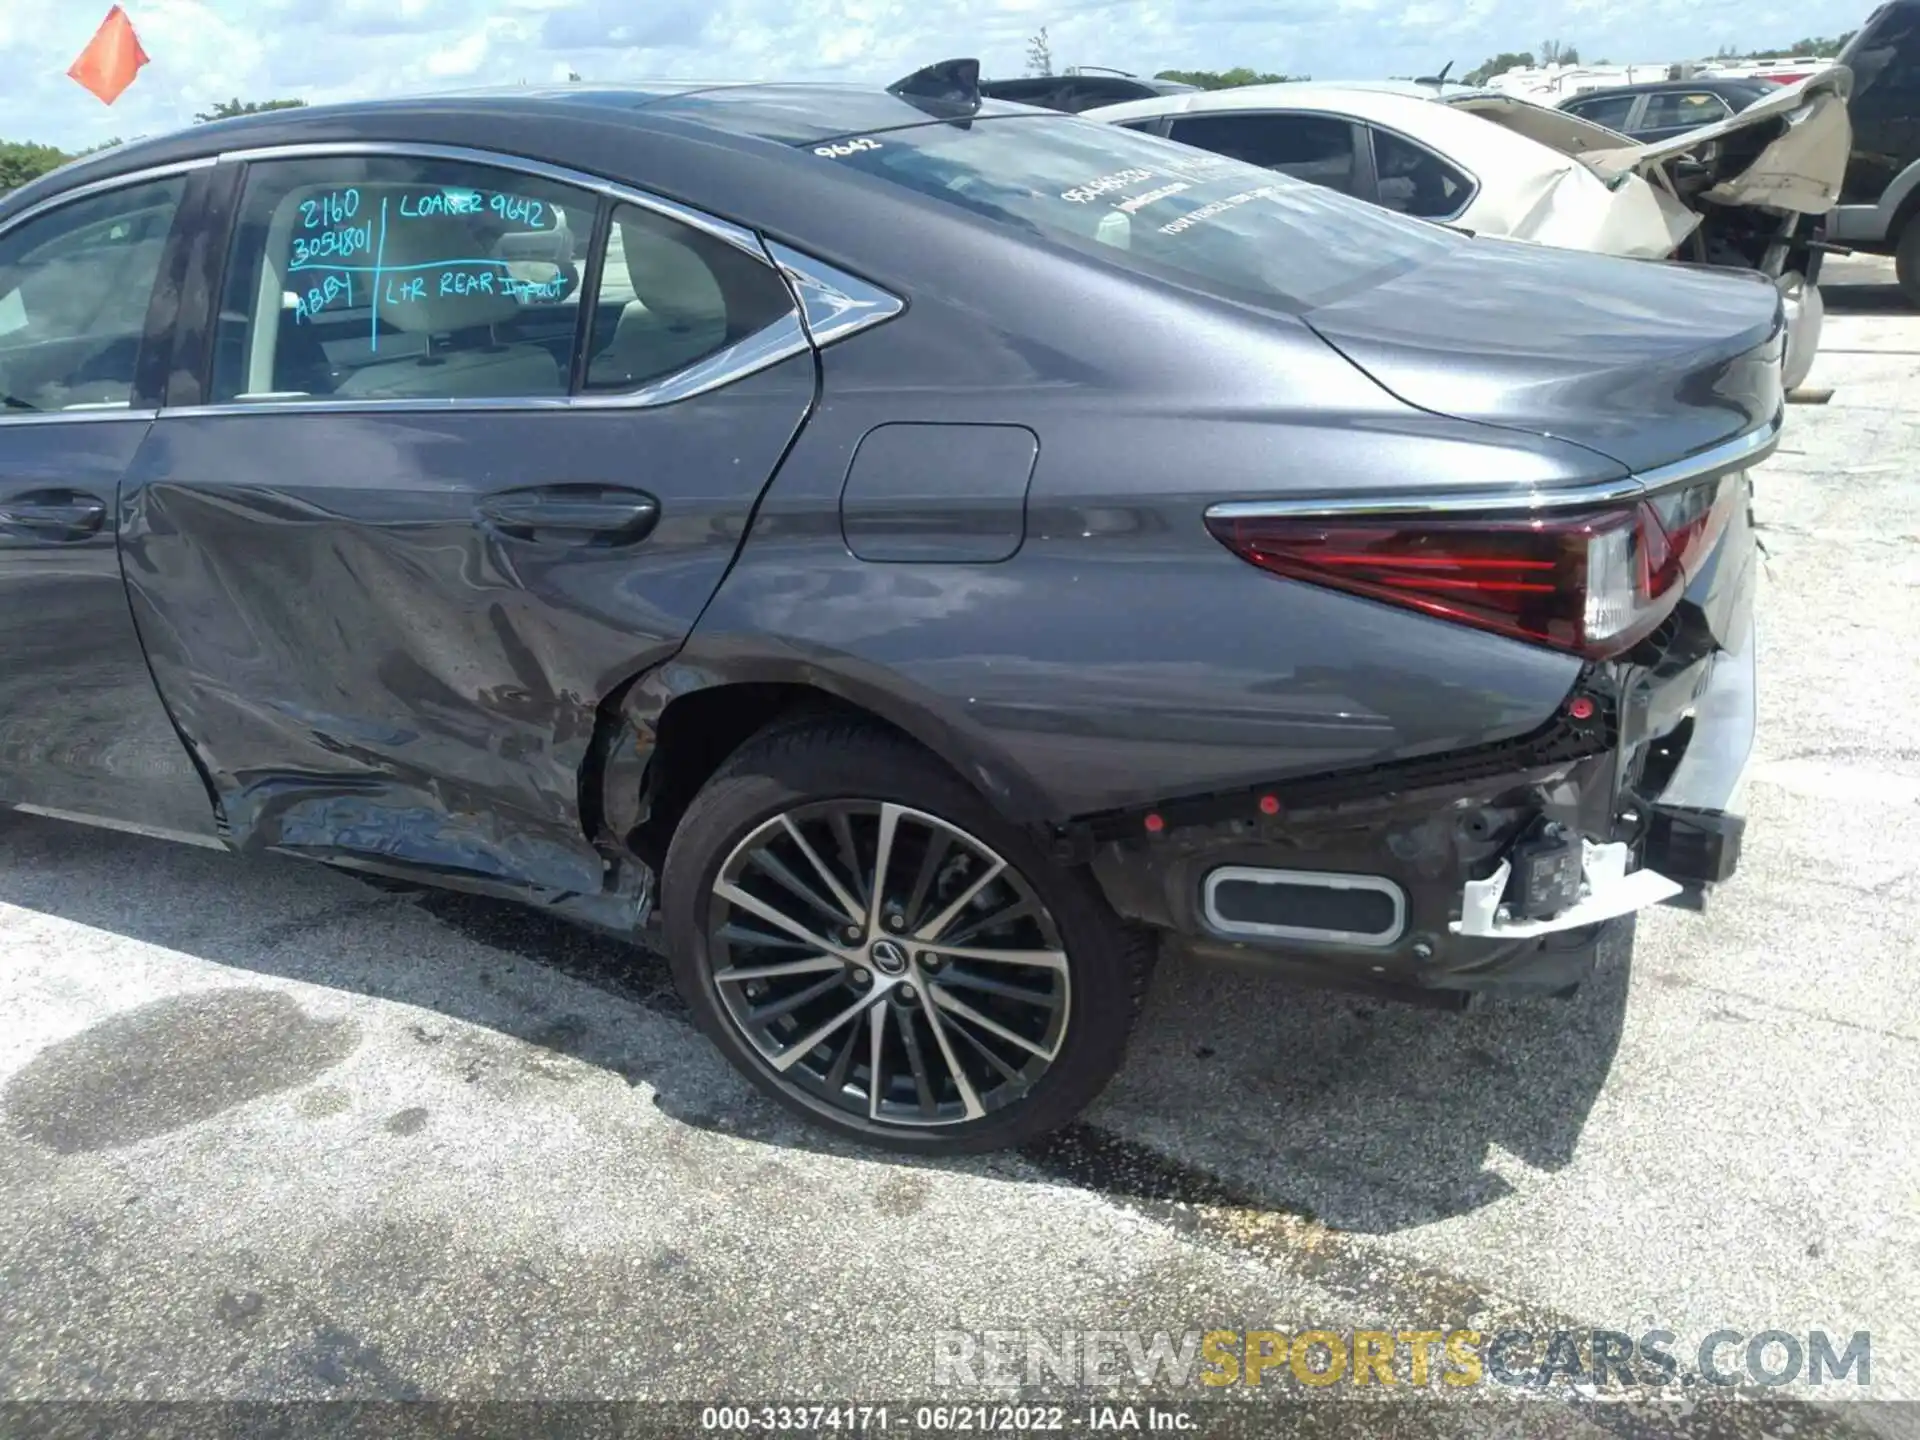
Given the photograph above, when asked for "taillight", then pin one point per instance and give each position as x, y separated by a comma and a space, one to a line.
1594, 582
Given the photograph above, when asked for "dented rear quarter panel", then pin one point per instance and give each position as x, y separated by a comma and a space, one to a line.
1122, 654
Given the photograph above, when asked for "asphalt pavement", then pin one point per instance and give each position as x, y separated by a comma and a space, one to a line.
270, 1132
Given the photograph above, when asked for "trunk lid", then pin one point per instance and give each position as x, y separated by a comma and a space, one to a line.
1644, 364
1785, 152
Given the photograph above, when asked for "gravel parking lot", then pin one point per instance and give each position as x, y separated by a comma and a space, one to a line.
271, 1132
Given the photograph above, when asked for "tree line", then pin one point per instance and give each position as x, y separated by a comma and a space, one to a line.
24, 160
1550, 52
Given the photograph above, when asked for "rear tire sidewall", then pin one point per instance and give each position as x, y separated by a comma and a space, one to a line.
797, 768
1906, 260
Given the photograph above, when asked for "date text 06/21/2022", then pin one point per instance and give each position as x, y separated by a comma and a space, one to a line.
959, 1419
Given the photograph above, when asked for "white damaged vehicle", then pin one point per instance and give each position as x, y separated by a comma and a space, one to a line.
1750, 190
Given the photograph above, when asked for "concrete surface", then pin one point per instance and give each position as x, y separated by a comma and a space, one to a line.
269, 1132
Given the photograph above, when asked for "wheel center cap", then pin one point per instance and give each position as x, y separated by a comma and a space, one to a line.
888, 958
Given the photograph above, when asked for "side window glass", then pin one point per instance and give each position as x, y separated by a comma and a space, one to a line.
670, 296
1886, 62
1415, 181
394, 278
1611, 112
1315, 148
1677, 109
74, 287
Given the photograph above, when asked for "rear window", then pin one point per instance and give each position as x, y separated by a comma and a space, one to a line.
1152, 206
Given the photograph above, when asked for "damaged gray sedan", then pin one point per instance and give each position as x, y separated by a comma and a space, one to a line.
916, 557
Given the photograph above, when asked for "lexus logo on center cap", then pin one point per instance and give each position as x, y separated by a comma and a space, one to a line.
889, 958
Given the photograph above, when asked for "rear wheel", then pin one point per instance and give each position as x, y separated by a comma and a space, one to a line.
1906, 260
876, 948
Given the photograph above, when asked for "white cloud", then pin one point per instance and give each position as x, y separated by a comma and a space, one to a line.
207, 50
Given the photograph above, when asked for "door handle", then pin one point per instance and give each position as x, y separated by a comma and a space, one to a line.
572, 514
54, 514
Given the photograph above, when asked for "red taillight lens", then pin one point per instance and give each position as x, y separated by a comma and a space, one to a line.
1594, 582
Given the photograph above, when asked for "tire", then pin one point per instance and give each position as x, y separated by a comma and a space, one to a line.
1906, 260
1069, 997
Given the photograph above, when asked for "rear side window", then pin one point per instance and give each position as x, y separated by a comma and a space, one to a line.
1673, 109
1154, 207
1415, 181
670, 296
388, 278
1315, 148
378, 278
1611, 112
74, 287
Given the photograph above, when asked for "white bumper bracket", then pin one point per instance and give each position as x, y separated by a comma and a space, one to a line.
1607, 890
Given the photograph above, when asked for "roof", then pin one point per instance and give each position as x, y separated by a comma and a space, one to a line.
1344, 95
1417, 109
788, 114
1748, 84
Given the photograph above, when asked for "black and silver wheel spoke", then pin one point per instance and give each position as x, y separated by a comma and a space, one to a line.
1041, 959
802, 891
884, 962
759, 908
812, 965
937, 926
966, 1012
851, 908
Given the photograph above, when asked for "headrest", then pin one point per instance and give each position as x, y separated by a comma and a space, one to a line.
436, 274
669, 277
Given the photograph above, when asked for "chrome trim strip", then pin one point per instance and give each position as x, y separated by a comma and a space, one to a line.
833, 303
762, 350
1748, 449
104, 184
1738, 453
736, 235
1313, 879
125, 827
102, 416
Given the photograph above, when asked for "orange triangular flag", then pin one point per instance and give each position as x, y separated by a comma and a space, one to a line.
112, 58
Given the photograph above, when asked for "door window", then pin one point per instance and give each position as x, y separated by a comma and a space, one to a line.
387, 278
1316, 148
1415, 181
670, 296
74, 287
1611, 112
1683, 110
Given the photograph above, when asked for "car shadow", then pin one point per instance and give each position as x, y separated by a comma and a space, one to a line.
1239, 1090
1866, 299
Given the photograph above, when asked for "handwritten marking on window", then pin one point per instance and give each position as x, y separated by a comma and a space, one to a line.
333, 245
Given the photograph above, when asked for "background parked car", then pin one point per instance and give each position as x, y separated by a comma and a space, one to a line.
1879, 208
1080, 91
1498, 165
1667, 108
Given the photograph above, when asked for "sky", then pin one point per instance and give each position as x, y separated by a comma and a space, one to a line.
323, 50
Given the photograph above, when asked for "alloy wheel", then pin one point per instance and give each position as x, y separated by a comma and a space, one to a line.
884, 962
